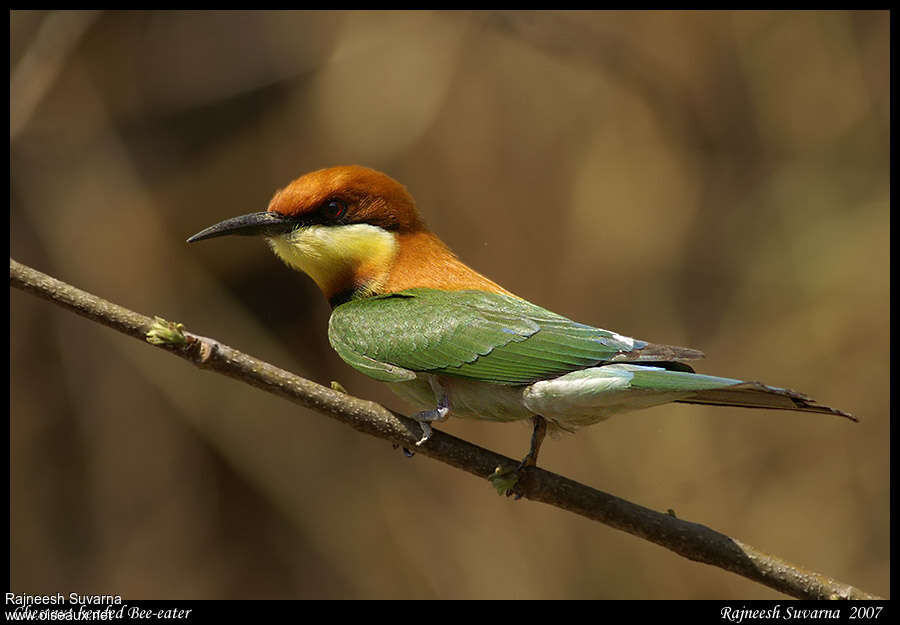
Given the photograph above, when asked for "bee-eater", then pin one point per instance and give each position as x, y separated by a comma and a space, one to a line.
408, 312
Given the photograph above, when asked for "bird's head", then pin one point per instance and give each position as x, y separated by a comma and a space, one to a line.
348, 195
338, 225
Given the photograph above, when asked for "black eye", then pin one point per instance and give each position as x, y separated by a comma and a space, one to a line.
335, 209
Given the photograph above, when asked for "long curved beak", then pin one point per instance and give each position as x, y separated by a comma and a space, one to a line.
254, 224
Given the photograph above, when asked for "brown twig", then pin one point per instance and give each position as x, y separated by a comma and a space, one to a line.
691, 540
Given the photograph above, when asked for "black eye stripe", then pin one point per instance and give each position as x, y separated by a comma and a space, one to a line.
334, 209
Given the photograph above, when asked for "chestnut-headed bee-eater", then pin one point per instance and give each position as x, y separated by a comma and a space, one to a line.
408, 312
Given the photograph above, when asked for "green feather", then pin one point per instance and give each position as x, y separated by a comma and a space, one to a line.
469, 334
488, 337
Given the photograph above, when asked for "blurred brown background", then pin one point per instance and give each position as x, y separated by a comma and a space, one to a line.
718, 180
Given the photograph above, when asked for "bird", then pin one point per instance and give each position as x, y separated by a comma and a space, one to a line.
408, 312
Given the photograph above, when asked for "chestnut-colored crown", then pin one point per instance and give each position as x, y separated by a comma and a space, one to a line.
369, 196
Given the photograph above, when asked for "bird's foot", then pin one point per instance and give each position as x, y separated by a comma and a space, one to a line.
506, 481
426, 418
406, 451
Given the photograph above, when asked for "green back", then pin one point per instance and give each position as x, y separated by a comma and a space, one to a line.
469, 334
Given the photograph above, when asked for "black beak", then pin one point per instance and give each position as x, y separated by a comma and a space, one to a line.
255, 224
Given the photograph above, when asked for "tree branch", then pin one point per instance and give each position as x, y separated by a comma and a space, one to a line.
691, 540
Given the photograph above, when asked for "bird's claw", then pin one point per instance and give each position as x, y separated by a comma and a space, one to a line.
406, 451
427, 417
427, 431
506, 481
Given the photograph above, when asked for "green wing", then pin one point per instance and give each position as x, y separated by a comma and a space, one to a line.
477, 335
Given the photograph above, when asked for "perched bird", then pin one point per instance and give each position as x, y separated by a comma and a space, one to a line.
408, 312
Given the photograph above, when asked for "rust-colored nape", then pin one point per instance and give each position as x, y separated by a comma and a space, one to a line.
348, 258
423, 260
369, 195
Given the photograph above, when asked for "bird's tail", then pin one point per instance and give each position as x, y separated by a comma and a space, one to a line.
716, 391
758, 395
589, 395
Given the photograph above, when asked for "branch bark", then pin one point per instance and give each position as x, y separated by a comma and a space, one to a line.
691, 540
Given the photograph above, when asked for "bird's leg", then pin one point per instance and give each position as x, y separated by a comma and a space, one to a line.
426, 417
537, 438
505, 480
